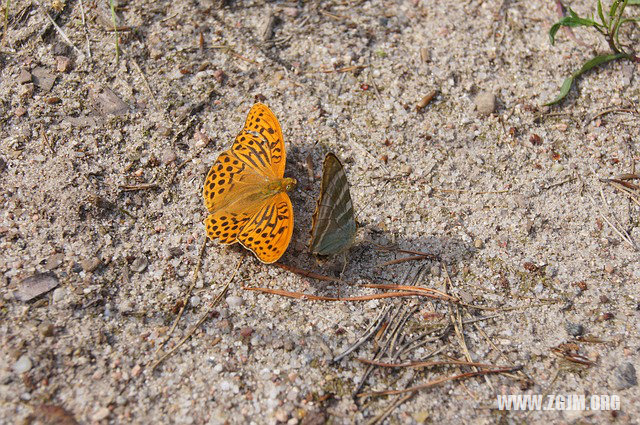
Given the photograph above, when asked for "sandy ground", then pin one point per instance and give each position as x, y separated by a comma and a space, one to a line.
102, 163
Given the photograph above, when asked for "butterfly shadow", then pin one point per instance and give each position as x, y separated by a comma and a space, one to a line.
378, 257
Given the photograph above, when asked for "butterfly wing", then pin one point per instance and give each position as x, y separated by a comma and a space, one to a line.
231, 181
260, 143
333, 226
226, 225
269, 231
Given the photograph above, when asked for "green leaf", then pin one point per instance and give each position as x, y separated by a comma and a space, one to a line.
614, 7
569, 21
568, 82
564, 90
600, 14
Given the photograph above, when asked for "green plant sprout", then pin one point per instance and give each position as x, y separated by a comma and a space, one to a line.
6, 22
115, 28
609, 26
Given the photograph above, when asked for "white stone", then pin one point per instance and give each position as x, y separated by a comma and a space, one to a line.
22, 365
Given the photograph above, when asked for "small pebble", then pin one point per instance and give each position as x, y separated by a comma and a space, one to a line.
574, 329
43, 79
625, 376
63, 63
608, 268
224, 325
219, 76
290, 11
139, 264
234, 301
22, 365
435, 271
194, 301
101, 413
581, 285
59, 295
46, 329
281, 415
550, 271
135, 371
535, 140
466, 298
90, 264
406, 170
26, 90
201, 139
24, 77
168, 157
54, 261
20, 111
288, 345
478, 243
426, 100
174, 252
605, 316
485, 103
557, 167
246, 332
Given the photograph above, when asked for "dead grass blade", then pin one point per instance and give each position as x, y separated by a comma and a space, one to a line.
133, 188
371, 330
302, 296
434, 292
416, 365
439, 381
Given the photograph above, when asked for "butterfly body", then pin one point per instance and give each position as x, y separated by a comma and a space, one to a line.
246, 192
333, 228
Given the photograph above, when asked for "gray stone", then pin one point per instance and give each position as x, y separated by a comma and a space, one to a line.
625, 376
174, 252
33, 286
24, 77
234, 301
59, 295
485, 103
43, 79
139, 264
574, 329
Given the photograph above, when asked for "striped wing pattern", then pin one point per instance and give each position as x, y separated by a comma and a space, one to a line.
269, 231
260, 143
333, 226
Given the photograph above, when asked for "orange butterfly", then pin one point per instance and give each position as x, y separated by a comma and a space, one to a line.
246, 191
